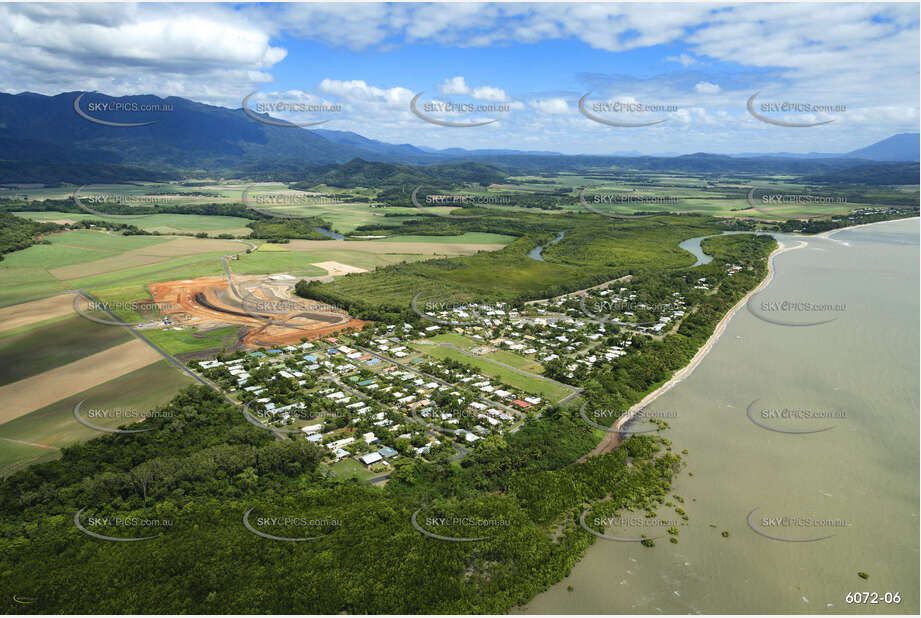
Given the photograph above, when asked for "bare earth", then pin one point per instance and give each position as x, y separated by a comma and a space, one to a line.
35, 311
337, 268
27, 395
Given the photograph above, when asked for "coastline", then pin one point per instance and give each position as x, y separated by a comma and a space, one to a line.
831, 233
612, 439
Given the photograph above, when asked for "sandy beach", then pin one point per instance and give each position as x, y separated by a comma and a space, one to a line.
612, 439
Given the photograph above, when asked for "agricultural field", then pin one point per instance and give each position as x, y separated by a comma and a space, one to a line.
29, 352
163, 224
55, 426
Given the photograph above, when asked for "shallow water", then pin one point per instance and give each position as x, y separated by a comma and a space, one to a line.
864, 368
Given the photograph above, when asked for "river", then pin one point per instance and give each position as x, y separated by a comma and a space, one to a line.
859, 474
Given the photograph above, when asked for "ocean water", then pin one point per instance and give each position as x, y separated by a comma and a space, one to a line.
853, 383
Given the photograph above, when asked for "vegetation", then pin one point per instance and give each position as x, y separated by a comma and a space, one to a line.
203, 467
17, 233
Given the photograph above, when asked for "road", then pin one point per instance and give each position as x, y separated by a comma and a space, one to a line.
169, 357
433, 378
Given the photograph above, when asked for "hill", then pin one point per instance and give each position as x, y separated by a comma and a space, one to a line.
901, 147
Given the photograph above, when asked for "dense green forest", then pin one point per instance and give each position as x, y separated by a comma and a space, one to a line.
17, 233
204, 467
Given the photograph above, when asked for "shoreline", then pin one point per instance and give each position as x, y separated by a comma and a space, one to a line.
612, 439
831, 233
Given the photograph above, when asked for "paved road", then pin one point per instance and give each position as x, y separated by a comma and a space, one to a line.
169, 357
408, 367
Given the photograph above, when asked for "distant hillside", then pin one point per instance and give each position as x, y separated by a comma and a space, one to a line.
43, 140
869, 174
901, 147
361, 173
192, 137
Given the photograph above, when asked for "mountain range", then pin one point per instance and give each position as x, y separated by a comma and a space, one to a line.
44, 139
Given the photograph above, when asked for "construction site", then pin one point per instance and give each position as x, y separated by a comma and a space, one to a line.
264, 304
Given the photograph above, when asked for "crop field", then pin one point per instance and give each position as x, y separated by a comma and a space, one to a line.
164, 224
29, 353
55, 425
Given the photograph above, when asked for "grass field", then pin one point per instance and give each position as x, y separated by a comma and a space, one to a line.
551, 390
473, 238
503, 356
29, 353
184, 341
349, 468
275, 261
164, 224
15, 456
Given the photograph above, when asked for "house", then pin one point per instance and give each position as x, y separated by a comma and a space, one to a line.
387, 452
370, 458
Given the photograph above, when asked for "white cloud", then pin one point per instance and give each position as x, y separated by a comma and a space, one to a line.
357, 91
489, 93
455, 85
683, 59
706, 88
551, 106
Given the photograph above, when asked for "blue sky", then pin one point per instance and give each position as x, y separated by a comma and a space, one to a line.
700, 62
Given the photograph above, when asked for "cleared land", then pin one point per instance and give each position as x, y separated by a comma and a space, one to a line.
36, 311
208, 302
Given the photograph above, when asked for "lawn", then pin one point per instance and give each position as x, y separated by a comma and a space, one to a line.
350, 468
551, 390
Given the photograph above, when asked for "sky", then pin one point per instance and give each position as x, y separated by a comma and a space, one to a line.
357, 67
